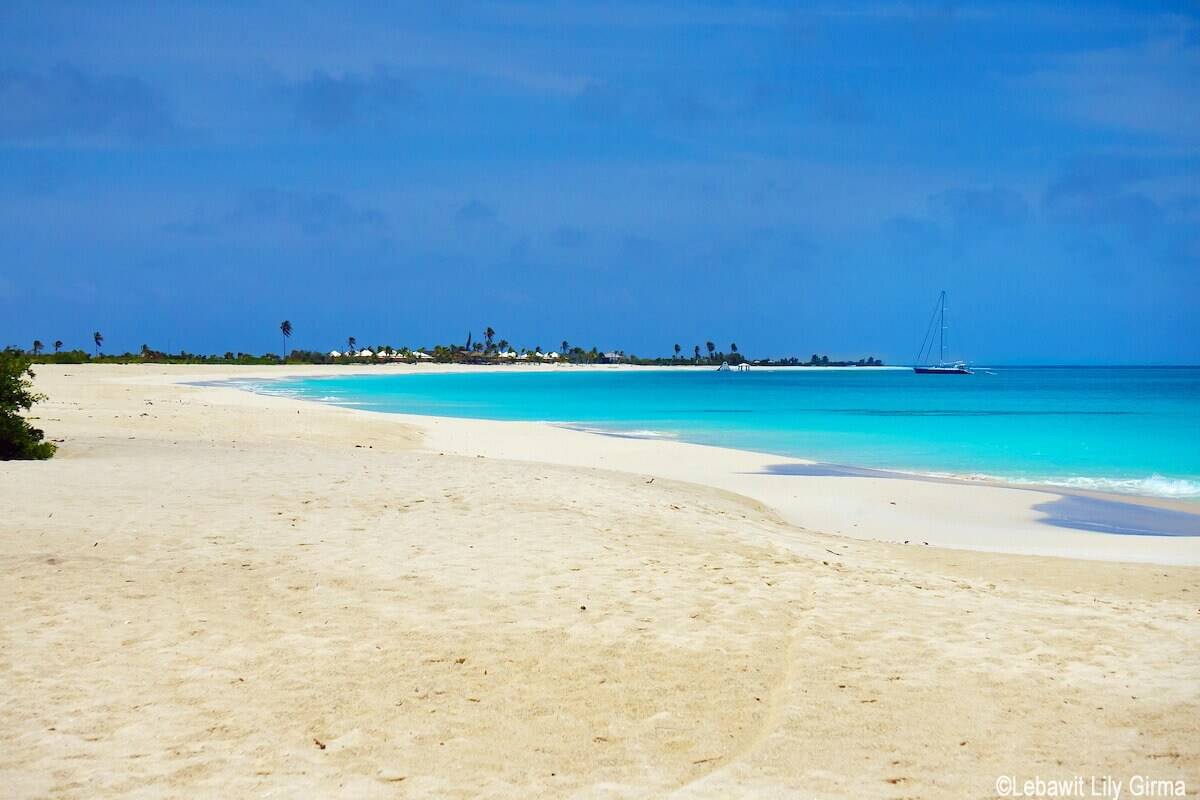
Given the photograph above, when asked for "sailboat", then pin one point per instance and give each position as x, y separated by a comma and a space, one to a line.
942, 367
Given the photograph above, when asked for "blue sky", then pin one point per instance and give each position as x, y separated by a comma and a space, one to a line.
792, 177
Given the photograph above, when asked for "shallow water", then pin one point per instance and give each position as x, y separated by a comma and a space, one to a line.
1127, 429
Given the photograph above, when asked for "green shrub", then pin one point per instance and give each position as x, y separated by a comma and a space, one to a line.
18, 439
64, 357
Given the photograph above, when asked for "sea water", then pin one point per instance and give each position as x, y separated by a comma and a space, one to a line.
1122, 429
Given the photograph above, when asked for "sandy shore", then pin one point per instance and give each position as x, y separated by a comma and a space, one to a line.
221, 594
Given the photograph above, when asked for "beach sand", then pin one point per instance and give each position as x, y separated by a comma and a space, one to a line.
214, 593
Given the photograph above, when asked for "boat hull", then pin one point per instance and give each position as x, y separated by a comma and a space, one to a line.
942, 371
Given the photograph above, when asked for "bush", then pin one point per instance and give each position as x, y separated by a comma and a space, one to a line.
65, 357
18, 439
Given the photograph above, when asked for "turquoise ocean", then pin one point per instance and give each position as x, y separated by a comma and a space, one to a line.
1133, 430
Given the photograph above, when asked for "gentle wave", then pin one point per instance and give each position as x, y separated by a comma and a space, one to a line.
619, 433
1153, 486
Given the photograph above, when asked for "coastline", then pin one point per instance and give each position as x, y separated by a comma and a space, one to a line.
985, 514
213, 591
1154, 491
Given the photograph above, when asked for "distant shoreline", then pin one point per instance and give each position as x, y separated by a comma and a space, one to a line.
260, 361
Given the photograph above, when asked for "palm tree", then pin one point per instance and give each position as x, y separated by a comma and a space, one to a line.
677, 349
503, 345
733, 347
489, 334
285, 328
98, 338
350, 343
697, 352
37, 346
57, 345
711, 347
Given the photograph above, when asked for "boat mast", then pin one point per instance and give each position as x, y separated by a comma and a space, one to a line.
942, 332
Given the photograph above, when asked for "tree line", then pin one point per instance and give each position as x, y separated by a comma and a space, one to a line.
489, 349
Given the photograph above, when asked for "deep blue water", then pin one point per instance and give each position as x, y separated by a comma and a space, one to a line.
1126, 429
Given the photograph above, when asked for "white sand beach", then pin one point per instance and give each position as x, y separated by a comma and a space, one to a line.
217, 593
